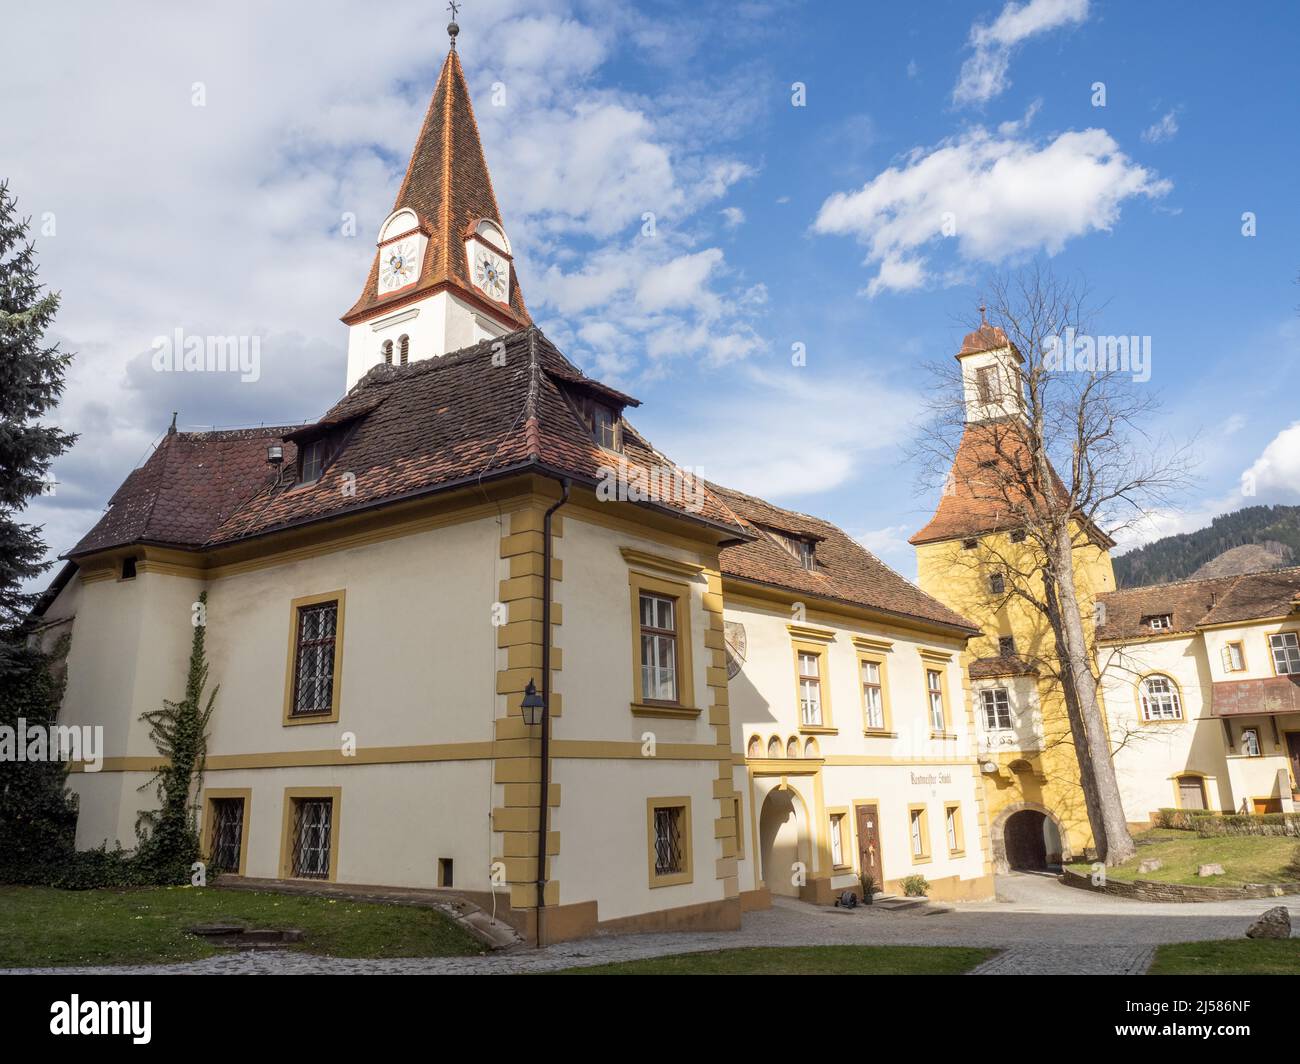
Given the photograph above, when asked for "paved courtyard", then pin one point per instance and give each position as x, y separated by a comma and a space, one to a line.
1042, 926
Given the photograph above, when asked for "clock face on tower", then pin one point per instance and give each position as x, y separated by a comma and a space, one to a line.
491, 273
399, 264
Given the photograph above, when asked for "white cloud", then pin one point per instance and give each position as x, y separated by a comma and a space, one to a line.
226, 219
1276, 472
984, 74
1161, 131
1001, 196
733, 216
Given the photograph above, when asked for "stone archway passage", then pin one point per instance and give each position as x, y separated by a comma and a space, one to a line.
1026, 845
783, 841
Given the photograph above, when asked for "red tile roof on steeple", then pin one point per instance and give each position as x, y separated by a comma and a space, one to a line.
448, 186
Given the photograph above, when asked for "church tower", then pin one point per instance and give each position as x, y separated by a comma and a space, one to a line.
443, 276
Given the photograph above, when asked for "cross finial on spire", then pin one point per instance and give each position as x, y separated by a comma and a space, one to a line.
452, 28
983, 320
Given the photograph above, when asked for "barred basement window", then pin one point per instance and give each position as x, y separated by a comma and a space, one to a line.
997, 709
313, 830
227, 834
669, 827
313, 686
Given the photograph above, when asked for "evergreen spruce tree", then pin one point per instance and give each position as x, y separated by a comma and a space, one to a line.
31, 381
37, 816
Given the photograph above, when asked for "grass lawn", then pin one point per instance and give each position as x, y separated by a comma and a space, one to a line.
41, 927
804, 960
1236, 956
1247, 859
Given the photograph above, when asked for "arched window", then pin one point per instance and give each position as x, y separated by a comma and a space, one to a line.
792, 747
810, 749
387, 349
404, 348
755, 747
774, 747
1160, 701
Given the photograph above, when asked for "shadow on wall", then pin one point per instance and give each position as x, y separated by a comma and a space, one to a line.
783, 839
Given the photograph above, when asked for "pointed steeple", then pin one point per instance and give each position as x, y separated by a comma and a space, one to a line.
445, 233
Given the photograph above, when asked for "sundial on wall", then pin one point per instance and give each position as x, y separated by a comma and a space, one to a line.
733, 635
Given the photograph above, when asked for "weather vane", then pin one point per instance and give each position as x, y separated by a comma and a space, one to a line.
452, 28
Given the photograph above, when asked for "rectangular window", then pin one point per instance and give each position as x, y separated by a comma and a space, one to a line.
837, 840
315, 659
313, 829
919, 830
658, 648
1158, 622
669, 828
1286, 653
953, 829
873, 696
934, 688
313, 461
1006, 646
1250, 742
997, 709
604, 427
1234, 658
986, 384
998, 583
227, 835
810, 689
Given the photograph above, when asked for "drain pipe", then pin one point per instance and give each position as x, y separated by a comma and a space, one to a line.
544, 797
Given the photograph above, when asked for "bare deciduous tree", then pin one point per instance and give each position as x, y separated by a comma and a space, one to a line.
1053, 442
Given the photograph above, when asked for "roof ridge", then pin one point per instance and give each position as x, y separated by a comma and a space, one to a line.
1234, 577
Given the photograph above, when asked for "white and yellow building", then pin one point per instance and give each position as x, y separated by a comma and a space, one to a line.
475, 530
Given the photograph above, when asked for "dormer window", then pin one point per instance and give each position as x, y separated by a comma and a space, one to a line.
1158, 622
803, 550
312, 463
604, 426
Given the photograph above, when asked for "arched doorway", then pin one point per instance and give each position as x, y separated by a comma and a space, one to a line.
1026, 847
1026, 837
783, 840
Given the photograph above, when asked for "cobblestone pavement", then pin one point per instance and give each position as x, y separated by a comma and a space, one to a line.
1042, 925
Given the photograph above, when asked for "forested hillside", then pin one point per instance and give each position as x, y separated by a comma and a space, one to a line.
1274, 530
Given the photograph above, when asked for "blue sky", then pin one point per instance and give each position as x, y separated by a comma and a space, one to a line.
774, 224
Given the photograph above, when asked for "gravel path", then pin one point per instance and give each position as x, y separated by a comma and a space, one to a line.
1043, 927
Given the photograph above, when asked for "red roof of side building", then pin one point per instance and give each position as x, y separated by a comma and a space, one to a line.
844, 570
1193, 604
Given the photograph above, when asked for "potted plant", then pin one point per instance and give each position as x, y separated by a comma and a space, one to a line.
868, 887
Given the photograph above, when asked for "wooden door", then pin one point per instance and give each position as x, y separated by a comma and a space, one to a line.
869, 858
1293, 754
1191, 792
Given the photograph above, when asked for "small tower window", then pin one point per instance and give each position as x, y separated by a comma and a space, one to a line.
387, 349
128, 567
987, 386
404, 348
1006, 646
998, 583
